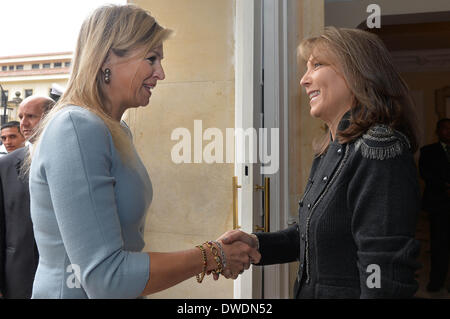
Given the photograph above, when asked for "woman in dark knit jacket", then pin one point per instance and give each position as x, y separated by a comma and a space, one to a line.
357, 217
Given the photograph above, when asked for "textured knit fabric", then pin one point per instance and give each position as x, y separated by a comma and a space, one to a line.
357, 222
88, 211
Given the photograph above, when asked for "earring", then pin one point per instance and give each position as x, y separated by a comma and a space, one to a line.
107, 76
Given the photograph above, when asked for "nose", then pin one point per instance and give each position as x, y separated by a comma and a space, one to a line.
305, 80
159, 72
24, 122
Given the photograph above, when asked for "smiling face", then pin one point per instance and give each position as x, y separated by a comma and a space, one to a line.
329, 96
132, 79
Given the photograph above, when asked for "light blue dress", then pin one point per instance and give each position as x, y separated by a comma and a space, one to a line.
88, 211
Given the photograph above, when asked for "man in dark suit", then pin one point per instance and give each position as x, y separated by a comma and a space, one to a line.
18, 251
434, 164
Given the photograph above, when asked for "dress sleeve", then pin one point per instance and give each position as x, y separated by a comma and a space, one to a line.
385, 200
75, 157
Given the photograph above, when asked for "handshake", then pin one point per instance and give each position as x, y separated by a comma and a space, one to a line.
240, 250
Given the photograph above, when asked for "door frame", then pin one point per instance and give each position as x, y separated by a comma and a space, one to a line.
270, 87
276, 111
248, 80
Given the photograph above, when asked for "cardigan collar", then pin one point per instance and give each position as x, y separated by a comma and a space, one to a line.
344, 123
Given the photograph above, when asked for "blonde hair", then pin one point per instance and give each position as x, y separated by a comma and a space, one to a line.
381, 95
110, 28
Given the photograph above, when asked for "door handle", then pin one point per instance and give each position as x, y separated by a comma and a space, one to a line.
235, 202
266, 189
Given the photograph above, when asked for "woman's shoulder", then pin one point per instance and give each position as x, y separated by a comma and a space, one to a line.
75, 113
80, 119
381, 142
78, 125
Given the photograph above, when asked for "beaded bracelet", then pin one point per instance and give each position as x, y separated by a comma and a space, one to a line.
216, 257
224, 261
200, 277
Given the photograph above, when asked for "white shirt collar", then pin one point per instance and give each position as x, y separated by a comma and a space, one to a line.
29, 145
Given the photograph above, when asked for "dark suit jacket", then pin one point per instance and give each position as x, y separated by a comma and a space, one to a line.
359, 211
18, 251
435, 170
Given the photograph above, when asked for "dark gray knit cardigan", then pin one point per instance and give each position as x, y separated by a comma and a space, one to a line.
357, 222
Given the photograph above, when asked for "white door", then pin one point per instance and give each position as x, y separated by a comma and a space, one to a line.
261, 128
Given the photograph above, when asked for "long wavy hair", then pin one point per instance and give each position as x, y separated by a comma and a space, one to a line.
381, 95
111, 28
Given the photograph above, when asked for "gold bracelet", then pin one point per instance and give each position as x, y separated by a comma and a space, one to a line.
216, 257
200, 277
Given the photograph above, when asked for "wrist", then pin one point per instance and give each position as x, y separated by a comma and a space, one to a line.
204, 259
211, 263
211, 254
255, 240
215, 263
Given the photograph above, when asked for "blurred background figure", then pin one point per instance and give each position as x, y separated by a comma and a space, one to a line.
11, 136
18, 251
30, 113
56, 92
434, 164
